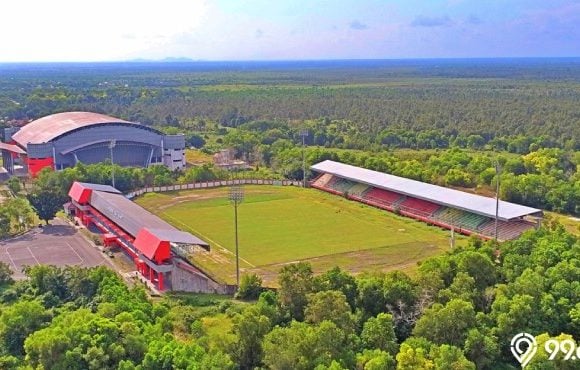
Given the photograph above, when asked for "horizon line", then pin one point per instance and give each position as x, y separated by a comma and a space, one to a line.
170, 60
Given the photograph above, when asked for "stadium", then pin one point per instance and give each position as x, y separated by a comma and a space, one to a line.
61, 140
157, 231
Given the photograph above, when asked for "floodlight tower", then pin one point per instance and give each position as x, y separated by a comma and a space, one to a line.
236, 197
112, 144
303, 134
497, 173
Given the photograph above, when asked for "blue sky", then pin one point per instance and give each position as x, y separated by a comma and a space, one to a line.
67, 30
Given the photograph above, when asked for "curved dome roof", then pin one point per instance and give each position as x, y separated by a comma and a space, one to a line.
50, 127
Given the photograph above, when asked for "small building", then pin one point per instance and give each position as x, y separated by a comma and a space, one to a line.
225, 159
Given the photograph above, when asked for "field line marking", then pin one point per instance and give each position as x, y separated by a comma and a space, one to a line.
11, 260
78, 255
208, 239
33, 256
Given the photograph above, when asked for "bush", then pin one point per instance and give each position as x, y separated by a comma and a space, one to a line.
250, 287
5, 274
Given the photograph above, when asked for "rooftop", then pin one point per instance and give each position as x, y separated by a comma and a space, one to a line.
132, 218
11, 148
50, 127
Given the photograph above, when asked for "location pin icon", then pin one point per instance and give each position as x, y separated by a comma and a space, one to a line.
523, 356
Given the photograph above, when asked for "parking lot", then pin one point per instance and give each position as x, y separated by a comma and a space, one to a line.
57, 244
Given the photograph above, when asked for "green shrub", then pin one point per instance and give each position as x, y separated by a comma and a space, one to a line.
250, 287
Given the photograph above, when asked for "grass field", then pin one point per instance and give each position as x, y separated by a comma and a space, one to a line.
280, 225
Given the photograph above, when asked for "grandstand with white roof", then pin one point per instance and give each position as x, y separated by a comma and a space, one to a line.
449, 208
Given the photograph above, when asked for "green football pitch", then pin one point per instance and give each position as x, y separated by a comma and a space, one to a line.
279, 225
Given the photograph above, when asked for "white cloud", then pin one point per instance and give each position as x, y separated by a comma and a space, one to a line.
99, 30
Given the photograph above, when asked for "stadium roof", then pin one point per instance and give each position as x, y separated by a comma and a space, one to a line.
11, 148
99, 187
50, 127
132, 218
433, 193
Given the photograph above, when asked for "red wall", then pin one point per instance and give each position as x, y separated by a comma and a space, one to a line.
37, 164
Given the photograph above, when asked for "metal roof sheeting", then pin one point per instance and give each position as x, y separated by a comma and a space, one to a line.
132, 218
99, 187
12, 148
50, 127
438, 194
176, 236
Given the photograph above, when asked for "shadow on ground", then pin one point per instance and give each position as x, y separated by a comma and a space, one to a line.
58, 230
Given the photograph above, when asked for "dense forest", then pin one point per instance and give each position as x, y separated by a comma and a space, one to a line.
492, 98
520, 115
458, 312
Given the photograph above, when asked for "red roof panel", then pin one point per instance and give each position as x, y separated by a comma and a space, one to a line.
80, 193
151, 246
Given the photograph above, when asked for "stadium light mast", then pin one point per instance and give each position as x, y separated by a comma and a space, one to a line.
303, 134
112, 144
236, 197
497, 173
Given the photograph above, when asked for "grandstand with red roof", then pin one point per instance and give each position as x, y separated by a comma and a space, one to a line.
449, 208
158, 249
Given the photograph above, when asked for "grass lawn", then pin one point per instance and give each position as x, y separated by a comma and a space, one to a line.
197, 157
279, 225
571, 223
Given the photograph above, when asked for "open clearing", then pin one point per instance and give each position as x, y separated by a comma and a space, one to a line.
280, 225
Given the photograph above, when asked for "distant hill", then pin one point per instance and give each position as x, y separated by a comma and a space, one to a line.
164, 60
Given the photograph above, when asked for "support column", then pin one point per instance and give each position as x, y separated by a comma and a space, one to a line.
160, 280
151, 274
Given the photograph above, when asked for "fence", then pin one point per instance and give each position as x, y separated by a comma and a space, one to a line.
211, 184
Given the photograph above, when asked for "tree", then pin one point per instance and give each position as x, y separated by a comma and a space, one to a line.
447, 324
329, 305
540, 360
482, 348
419, 353
19, 211
249, 328
371, 299
448, 357
336, 279
375, 360
295, 282
463, 287
458, 177
46, 203
5, 223
194, 140
250, 287
479, 266
18, 321
378, 333
5, 274
14, 185
410, 358
303, 346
